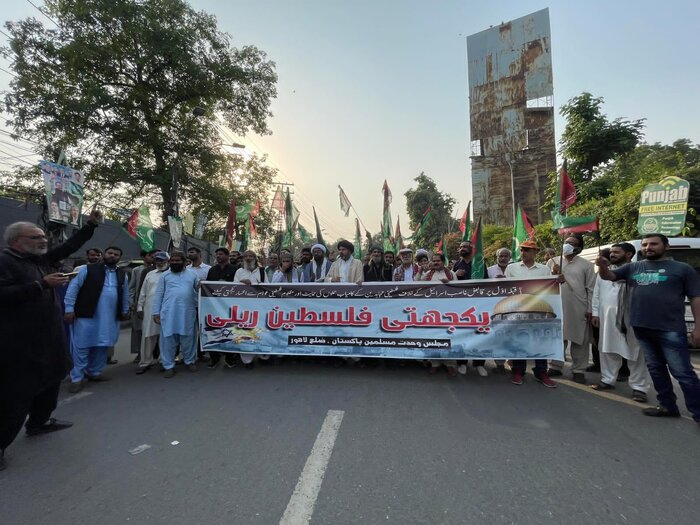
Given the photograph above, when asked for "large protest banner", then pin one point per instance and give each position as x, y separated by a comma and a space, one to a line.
64, 192
495, 319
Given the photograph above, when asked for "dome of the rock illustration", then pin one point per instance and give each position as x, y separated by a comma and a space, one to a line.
523, 306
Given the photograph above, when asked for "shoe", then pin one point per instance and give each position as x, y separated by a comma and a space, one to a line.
579, 377
659, 411
433, 370
52, 425
602, 386
111, 361
593, 368
545, 380
639, 396
552, 372
3, 464
137, 359
143, 369
230, 364
482, 371
99, 379
462, 369
74, 388
169, 373
517, 378
452, 371
192, 367
213, 364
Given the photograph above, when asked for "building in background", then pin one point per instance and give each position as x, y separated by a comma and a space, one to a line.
511, 118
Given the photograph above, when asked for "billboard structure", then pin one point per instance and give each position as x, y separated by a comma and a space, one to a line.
511, 118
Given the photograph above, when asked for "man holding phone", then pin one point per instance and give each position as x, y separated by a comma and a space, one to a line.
34, 358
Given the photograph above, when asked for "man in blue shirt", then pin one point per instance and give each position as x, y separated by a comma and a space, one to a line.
657, 314
96, 301
175, 310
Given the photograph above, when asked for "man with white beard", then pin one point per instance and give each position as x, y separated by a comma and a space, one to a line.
150, 331
250, 273
617, 340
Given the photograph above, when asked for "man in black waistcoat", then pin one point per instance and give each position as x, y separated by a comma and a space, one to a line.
34, 355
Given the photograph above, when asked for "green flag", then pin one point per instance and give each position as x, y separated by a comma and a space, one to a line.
465, 225
478, 251
304, 234
423, 222
319, 235
139, 226
289, 220
522, 231
357, 254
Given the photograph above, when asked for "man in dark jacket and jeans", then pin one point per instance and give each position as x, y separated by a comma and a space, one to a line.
34, 356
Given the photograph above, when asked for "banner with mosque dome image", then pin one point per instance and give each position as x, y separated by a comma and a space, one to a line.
484, 319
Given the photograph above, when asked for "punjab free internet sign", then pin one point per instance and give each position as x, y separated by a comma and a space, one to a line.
663, 207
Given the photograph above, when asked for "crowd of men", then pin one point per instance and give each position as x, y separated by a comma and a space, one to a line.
66, 323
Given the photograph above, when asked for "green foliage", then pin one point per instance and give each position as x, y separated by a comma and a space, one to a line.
496, 237
417, 201
590, 140
116, 86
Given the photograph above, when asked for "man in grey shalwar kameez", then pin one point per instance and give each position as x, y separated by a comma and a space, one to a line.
577, 278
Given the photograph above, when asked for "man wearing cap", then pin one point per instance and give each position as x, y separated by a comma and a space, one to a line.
527, 268
150, 331
345, 269
376, 270
317, 269
408, 270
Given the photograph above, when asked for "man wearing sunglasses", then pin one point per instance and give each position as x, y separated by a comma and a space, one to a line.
34, 357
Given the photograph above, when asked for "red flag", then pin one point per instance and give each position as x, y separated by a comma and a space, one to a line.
251, 226
585, 227
465, 219
231, 224
529, 227
278, 200
567, 190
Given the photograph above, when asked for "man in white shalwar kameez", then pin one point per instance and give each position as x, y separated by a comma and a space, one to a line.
615, 345
150, 331
250, 273
577, 278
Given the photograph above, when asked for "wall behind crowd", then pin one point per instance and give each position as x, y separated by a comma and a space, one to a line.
111, 233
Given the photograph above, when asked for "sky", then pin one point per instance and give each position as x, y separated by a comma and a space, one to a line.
375, 90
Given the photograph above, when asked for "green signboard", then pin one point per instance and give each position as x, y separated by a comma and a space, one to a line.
663, 206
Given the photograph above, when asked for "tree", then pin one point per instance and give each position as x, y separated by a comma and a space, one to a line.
418, 199
116, 85
590, 140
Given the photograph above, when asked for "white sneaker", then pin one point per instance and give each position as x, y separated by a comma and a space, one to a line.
482, 371
462, 369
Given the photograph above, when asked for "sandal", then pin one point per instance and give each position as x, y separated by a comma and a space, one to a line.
602, 386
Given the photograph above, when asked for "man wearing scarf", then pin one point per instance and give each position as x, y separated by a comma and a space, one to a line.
407, 271
376, 270
316, 270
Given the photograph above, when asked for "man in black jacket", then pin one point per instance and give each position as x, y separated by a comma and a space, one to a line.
377, 269
34, 355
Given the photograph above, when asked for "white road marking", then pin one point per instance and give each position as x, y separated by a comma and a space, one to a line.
74, 397
301, 504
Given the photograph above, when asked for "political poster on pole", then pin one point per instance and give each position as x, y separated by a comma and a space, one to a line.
663, 206
64, 188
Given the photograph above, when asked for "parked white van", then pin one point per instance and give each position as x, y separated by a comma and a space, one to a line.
683, 249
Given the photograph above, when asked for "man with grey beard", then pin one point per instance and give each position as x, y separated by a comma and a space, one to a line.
34, 356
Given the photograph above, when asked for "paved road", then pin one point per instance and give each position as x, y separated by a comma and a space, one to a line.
410, 448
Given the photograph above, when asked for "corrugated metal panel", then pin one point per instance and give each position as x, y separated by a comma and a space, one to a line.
509, 65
